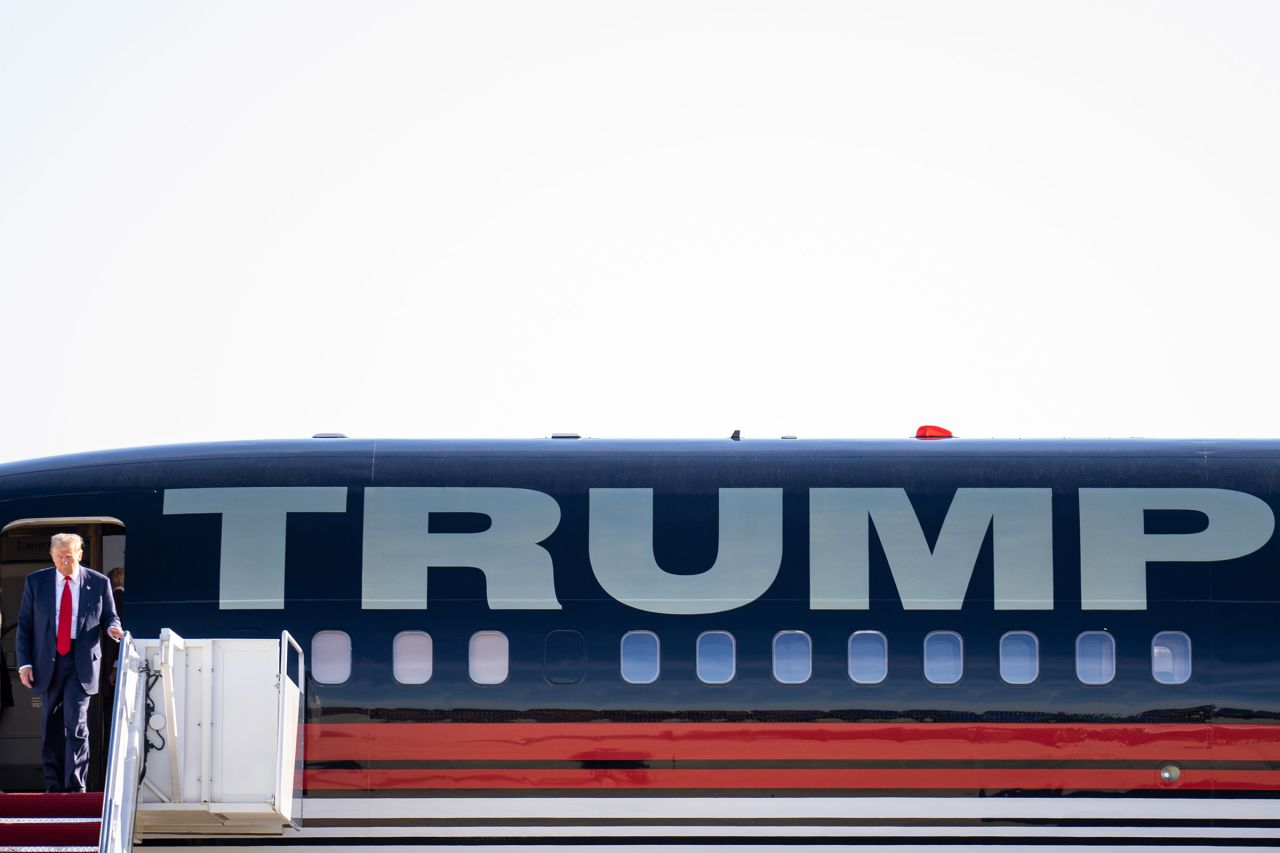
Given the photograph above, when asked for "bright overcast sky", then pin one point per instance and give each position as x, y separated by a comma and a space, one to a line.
244, 220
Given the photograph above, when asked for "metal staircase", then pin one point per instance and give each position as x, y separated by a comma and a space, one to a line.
205, 740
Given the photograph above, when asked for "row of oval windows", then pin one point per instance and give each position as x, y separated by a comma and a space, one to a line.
716, 657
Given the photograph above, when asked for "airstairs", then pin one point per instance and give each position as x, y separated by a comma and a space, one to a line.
206, 740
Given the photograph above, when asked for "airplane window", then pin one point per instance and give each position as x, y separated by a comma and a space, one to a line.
868, 657
1171, 657
640, 657
331, 657
1019, 657
488, 658
792, 657
716, 660
411, 659
1095, 657
943, 657
564, 657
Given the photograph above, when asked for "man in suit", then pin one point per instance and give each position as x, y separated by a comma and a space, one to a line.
65, 608
117, 588
111, 653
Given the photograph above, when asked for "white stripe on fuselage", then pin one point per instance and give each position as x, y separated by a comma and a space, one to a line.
791, 808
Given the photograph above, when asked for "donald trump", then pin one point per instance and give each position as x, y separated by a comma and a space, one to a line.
64, 610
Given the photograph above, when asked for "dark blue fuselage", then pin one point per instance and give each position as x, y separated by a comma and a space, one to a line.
1227, 608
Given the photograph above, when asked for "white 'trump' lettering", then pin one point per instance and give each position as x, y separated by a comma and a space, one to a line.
399, 548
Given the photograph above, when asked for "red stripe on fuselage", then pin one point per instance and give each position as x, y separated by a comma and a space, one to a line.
990, 780
665, 743
788, 741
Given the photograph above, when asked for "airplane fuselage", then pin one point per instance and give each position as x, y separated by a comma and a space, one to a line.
928, 625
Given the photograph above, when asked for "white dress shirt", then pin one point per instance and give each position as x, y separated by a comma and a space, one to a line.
74, 580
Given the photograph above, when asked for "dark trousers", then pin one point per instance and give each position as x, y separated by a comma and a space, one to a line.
64, 728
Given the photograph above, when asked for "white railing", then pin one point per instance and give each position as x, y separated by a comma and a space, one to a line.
290, 743
124, 758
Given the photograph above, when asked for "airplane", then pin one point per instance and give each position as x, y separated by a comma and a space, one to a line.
928, 640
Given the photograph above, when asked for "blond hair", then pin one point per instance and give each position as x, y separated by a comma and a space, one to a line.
73, 540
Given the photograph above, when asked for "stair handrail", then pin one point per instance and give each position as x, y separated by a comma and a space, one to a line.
170, 645
120, 797
284, 773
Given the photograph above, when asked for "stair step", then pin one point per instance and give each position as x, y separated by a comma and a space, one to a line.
34, 834
86, 806
49, 823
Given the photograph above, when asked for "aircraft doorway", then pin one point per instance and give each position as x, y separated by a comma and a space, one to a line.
24, 548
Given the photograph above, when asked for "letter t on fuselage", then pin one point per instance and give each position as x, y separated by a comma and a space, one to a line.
251, 565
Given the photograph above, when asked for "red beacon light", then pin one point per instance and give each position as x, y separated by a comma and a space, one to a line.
930, 432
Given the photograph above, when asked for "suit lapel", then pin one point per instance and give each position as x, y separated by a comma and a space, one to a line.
48, 593
85, 592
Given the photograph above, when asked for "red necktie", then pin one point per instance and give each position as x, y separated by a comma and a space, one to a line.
64, 619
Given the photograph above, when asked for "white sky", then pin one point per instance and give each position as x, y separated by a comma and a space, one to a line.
245, 220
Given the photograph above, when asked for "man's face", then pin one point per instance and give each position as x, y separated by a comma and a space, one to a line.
65, 557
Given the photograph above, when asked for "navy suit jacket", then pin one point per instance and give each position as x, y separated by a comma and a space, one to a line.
38, 626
